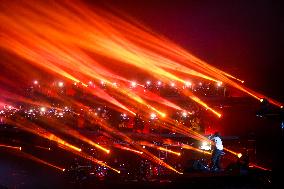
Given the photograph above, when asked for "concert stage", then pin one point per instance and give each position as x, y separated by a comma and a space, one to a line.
22, 173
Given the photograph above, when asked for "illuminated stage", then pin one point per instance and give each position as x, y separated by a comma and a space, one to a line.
94, 95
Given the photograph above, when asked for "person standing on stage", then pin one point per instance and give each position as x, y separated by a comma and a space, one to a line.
217, 151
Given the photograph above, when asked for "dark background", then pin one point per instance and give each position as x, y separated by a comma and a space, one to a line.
244, 38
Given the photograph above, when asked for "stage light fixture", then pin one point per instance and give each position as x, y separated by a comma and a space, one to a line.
133, 84
42, 109
60, 84
188, 84
153, 116
219, 84
239, 155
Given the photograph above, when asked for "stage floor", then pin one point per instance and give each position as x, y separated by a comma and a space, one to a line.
17, 173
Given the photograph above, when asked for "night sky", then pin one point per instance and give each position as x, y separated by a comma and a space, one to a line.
240, 37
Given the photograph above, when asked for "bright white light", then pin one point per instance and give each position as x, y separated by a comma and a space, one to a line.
35, 82
184, 114
60, 84
102, 82
173, 84
200, 83
42, 109
148, 82
261, 100
205, 146
124, 116
114, 84
133, 84
90, 83
153, 116
239, 155
159, 83
188, 84
219, 84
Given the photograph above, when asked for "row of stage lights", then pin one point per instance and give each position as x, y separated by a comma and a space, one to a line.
134, 84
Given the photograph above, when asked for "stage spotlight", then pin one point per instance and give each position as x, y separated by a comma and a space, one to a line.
35, 82
42, 109
239, 155
281, 106
261, 100
153, 116
184, 114
188, 84
133, 84
159, 83
219, 84
124, 116
60, 84
148, 82
173, 84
